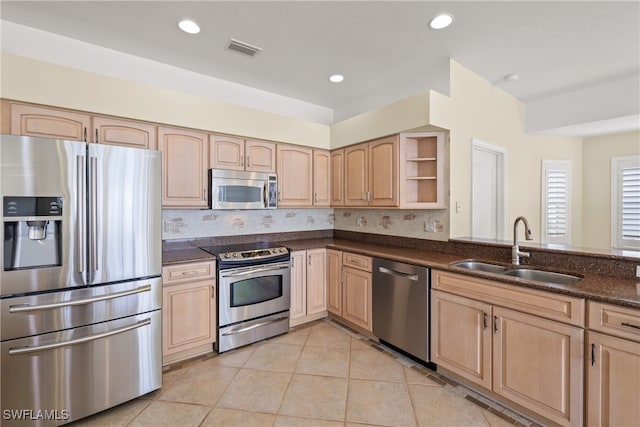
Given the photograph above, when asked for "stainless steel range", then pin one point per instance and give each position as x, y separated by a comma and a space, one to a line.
254, 288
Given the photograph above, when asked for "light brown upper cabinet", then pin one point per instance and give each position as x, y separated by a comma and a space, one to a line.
371, 173
422, 170
236, 153
295, 176
46, 122
32, 120
127, 133
337, 177
321, 178
184, 168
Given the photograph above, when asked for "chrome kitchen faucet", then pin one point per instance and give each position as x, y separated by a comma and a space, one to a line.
516, 253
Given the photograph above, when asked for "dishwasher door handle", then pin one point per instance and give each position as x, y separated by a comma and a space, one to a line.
385, 270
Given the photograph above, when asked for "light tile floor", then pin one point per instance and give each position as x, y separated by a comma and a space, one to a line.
319, 374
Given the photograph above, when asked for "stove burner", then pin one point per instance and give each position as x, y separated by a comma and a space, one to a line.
248, 253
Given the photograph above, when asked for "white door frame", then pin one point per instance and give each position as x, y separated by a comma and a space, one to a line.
501, 198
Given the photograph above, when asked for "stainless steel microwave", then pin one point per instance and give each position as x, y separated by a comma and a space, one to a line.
242, 190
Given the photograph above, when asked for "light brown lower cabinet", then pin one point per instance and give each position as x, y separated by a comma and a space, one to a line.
613, 381
350, 288
308, 286
613, 366
533, 362
188, 310
461, 336
334, 281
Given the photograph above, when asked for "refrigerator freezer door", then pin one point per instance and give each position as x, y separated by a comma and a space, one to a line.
38, 167
77, 372
125, 231
55, 311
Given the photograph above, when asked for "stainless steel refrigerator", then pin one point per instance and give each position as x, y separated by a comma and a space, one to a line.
80, 283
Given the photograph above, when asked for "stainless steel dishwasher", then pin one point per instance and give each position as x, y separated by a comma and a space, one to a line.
401, 306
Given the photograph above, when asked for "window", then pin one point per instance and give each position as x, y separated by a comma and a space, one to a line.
556, 201
625, 202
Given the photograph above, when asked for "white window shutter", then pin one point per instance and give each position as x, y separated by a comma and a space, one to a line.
556, 201
626, 202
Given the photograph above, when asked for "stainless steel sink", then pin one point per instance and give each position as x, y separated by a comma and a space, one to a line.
481, 266
543, 276
522, 272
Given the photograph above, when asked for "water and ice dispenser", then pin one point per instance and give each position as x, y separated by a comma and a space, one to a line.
32, 232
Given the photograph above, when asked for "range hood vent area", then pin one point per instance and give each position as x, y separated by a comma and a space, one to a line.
244, 48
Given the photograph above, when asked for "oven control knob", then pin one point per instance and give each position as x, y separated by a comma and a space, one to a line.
235, 254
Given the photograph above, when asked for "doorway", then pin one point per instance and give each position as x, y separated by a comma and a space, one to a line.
488, 191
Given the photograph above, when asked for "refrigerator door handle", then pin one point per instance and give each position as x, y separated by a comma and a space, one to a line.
93, 216
24, 350
81, 236
22, 308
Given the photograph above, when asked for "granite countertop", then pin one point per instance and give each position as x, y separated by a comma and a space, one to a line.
625, 292
180, 256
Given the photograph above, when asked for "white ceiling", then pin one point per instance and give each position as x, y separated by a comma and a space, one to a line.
383, 48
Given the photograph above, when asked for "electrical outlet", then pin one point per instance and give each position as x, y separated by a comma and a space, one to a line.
458, 207
637, 270
430, 226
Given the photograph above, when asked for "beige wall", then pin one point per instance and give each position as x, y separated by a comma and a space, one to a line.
409, 113
597, 154
477, 109
44, 83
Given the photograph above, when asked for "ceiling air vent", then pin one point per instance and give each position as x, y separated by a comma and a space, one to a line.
244, 48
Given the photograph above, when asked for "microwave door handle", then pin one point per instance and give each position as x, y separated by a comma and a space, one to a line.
265, 195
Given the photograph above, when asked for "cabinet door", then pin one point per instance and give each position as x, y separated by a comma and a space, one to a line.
29, 120
321, 177
461, 336
337, 177
316, 281
295, 178
383, 172
356, 297
298, 284
334, 281
124, 132
184, 171
613, 381
226, 152
356, 173
188, 315
261, 156
538, 363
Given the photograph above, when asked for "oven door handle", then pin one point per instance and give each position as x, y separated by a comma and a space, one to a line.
254, 271
254, 326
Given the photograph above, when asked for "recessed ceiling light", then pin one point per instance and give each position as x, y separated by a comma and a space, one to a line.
510, 78
336, 78
189, 26
441, 21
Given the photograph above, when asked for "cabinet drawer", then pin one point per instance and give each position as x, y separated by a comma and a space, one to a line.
180, 273
614, 320
360, 262
540, 303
